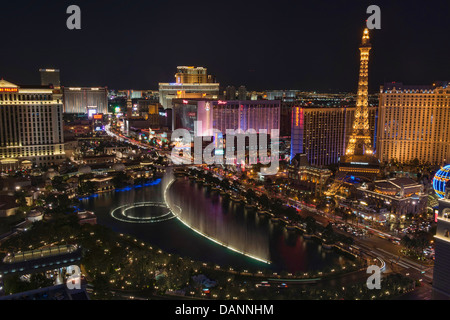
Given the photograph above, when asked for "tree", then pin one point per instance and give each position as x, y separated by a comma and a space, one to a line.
267, 181
20, 198
86, 187
328, 234
236, 185
250, 195
160, 160
292, 215
101, 284
415, 162
120, 179
422, 240
225, 184
58, 183
38, 280
311, 225
406, 242
264, 200
279, 181
347, 240
209, 178
276, 206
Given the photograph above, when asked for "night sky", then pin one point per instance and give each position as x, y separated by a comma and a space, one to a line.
277, 44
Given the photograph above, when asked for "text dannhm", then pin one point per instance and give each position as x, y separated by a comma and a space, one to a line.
225, 310
246, 309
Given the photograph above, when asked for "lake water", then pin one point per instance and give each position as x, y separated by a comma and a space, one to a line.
206, 222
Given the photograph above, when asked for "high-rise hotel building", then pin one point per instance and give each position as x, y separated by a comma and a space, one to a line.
85, 100
224, 115
50, 77
441, 274
31, 129
323, 132
329, 135
413, 123
190, 83
192, 75
225, 119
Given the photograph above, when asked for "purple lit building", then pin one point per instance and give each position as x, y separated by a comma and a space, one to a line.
223, 115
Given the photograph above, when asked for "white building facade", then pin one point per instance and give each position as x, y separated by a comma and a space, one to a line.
31, 126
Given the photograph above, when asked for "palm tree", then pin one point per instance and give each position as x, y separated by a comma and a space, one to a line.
422, 240
328, 234
264, 200
225, 184
311, 225
250, 195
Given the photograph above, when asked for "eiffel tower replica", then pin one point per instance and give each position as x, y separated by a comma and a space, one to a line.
359, 163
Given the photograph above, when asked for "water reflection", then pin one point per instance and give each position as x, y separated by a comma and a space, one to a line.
223, 220
229, 224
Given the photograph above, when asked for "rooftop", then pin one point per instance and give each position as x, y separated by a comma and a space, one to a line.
38, 253
399, 87
8, 202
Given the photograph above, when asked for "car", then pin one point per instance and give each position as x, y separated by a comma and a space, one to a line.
263, 284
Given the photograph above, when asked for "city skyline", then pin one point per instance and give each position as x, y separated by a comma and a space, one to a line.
224, 151
309, 47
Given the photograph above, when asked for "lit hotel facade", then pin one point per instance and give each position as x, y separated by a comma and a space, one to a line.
414, 122
50, 77
192, 75
323, 132
31, 129
85, 100
441, 274
190, 83
223, 115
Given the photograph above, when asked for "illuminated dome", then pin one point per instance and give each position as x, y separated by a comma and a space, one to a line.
118, 167
84, 169
51, 173
440, 179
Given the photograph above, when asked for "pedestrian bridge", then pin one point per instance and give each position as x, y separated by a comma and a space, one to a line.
40, 259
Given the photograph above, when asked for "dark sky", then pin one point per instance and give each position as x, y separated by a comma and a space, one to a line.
277, 44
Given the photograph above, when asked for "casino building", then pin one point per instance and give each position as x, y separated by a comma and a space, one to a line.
322, 132
85, 100
245, 115
414, 122
440, 180
50, 77
441, 272
190, 83
31, 126
223, 115
402, 195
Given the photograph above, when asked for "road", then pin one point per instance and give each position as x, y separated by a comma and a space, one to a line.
377, 247
371, 246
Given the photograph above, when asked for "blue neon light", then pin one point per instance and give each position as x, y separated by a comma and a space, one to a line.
440, 180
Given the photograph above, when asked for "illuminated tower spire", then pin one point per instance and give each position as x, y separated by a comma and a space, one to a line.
129, 104
360, 141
